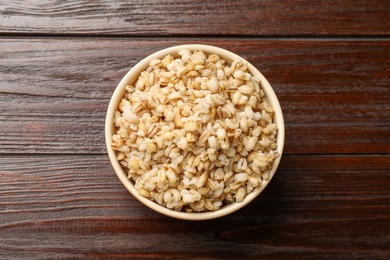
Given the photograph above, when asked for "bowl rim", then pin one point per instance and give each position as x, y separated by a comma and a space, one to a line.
132, 75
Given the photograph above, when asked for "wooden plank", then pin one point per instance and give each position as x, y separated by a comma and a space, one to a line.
229, 17
75, 207
54, 92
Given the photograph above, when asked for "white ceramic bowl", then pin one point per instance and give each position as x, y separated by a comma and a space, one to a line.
131, 77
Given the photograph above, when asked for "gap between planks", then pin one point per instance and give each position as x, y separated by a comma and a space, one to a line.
363, 38
336, 155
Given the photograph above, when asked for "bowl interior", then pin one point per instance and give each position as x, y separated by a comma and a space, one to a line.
132, 76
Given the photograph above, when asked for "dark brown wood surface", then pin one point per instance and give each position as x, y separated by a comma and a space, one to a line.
328, 61
74, 207
334, 94
175, 17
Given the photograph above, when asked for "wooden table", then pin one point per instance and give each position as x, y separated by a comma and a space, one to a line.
328, 61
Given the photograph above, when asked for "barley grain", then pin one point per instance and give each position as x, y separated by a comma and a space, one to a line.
195, 133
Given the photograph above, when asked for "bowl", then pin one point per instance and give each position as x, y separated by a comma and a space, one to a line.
132, 76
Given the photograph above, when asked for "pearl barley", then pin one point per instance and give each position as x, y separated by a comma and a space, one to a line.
195, 133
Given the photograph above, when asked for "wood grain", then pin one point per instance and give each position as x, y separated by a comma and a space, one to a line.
54, 92
75, 207
228, 17
328, 61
